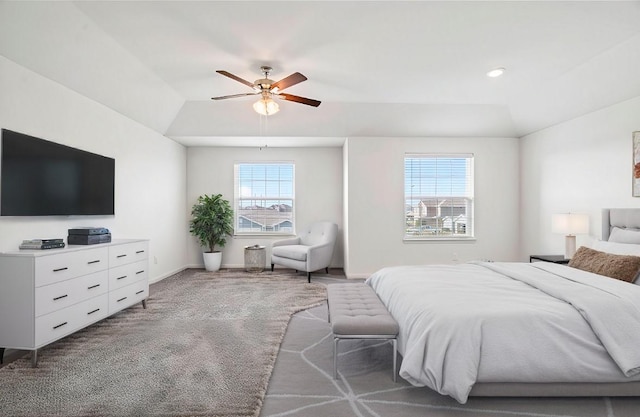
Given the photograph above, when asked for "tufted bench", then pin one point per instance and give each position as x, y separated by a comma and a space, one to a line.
356, 312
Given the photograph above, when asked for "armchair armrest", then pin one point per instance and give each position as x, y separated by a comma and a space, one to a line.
320, 246
319, 256
284, 242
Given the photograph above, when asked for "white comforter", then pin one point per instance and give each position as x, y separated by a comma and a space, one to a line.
510, 322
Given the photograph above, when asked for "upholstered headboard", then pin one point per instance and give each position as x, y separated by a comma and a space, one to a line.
624, 218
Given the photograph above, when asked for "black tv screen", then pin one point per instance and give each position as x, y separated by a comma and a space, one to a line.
43, 178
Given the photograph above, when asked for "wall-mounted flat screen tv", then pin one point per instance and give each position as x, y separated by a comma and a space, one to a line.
43, 178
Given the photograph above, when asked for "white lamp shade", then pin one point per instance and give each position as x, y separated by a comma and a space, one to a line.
266, 107
570, 223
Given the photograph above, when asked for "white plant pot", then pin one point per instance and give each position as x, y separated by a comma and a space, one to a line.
212, 260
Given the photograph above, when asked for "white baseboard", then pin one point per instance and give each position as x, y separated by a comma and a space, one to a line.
190, 266
358, 276
168, 274
231, 266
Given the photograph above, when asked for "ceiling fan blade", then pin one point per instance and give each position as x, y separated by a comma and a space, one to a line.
286, 82
298, 99
234, 96
235, 77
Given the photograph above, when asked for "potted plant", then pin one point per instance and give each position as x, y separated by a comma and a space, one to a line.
211, 223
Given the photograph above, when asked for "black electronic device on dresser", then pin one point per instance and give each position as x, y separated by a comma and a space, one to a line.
88, 236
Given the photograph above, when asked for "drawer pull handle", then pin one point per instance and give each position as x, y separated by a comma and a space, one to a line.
121, 256
60, 269
93, 286
140, 251
60, 297
93, 262
122, 277
140, 292
139, 272
123, 298
59, 325
94, 311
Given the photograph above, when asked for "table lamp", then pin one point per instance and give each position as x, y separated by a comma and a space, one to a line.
570, 224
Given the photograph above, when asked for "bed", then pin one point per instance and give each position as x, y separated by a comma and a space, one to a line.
523, 329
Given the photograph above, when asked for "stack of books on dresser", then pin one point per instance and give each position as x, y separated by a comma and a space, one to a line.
42, 244
88, 236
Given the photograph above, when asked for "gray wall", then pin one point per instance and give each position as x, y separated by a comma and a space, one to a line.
150, 169
374, 203
579, 166
318, 191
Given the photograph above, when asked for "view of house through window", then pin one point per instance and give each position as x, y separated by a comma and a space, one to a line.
438, 196
264, 198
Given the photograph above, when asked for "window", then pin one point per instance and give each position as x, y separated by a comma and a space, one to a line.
438, 196
264, 198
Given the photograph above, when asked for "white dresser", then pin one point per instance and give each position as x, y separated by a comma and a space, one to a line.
48, 294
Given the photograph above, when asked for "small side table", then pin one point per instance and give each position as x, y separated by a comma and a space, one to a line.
556, 259
255, 258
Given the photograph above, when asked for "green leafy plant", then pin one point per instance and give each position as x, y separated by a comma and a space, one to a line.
212, 221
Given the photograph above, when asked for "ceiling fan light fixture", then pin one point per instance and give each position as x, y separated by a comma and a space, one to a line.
496, 72
266, 107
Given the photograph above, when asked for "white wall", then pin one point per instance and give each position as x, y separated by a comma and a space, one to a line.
150, 183
318, 191
580, 166
375, 201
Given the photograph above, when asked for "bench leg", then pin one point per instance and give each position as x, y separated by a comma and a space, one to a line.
335, 358
395, 358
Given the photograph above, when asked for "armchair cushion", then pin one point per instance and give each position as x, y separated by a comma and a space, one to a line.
297, 252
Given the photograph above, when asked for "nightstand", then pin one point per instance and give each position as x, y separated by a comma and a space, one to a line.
556, 259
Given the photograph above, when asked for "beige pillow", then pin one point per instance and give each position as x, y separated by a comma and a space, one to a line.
622, 267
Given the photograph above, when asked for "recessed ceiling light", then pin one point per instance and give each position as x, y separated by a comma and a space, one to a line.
496, 72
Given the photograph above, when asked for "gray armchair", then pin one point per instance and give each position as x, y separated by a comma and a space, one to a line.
310, 251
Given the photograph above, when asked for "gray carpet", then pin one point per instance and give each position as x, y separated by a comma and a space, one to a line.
302, 384
205, 346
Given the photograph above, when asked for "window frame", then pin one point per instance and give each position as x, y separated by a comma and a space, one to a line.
468, 196
237, 198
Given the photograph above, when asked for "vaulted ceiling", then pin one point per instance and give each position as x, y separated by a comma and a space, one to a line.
383, 68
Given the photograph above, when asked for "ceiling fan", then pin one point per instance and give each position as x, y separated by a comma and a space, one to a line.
268, 89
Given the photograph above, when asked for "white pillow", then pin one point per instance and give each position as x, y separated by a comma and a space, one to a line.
619, 235
617, 248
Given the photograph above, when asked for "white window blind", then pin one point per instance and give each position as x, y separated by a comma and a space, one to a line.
264, 198
438, 196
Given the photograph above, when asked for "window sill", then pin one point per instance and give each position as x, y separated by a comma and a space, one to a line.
265, 235
437, 239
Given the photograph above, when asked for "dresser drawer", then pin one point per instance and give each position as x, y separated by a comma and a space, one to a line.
62, 322
63, 266
56, 296
127, 296
124, 275
49, 294
128, 253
